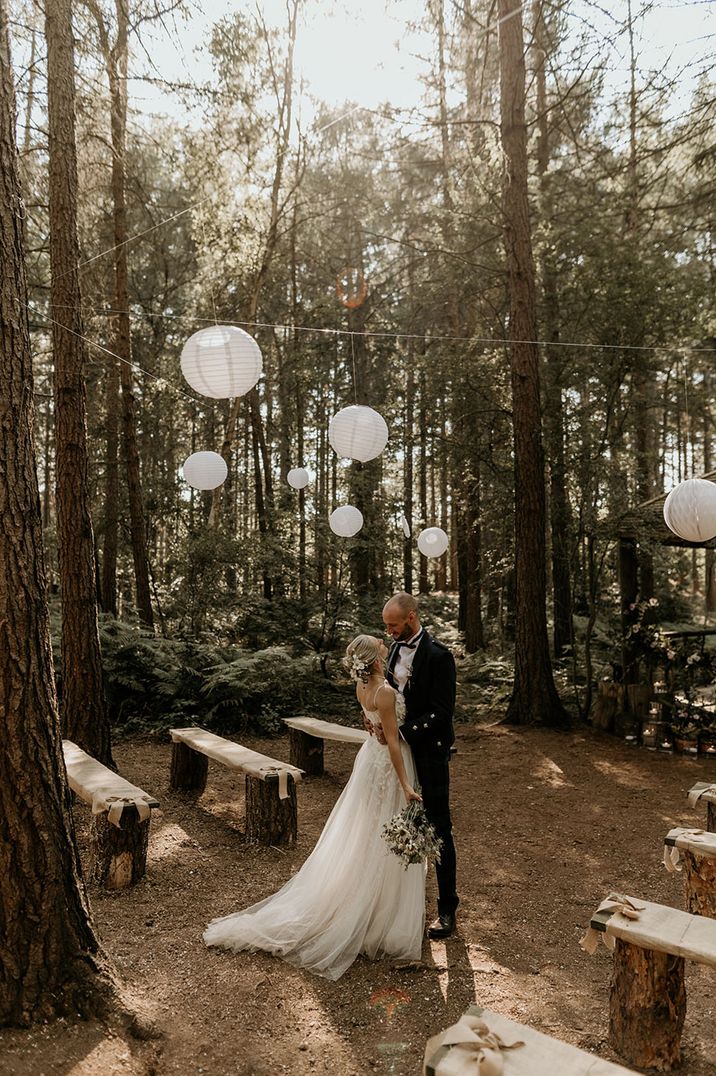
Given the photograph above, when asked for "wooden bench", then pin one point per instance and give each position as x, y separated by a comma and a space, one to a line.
119, 832
647, 1002
694, 851
306, 736
525, 1052
705, 791
271, 805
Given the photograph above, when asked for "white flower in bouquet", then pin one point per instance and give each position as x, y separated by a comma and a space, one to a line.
411, 837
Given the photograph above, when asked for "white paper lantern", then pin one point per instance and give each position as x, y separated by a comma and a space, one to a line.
690, 510
298, 477
221, 361
433, 541
205, 470
406, 526
346, 521
358, 432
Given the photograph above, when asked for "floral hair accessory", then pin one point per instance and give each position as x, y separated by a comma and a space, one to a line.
358, 668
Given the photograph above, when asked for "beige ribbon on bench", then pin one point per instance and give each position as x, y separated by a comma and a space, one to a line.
672, 854
475, 1050
114, 805
615, 902
282, 780
696, 793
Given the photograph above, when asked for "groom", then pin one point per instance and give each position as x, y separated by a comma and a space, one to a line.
423, 670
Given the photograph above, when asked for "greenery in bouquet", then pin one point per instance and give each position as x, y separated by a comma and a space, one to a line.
411, 837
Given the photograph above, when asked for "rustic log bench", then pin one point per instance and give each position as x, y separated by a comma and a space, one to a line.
306, 736
119, 831
695, 851
524, 1051
647, 1002
271, 805
706, 791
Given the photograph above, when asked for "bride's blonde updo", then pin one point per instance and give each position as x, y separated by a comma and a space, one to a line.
361, 655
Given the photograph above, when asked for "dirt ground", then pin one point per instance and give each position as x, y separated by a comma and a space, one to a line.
546, 823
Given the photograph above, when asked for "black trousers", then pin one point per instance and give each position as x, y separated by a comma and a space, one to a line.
434, 777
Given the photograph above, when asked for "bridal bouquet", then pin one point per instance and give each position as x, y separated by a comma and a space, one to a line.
410, 836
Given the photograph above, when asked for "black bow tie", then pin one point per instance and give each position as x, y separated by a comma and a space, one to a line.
410, 646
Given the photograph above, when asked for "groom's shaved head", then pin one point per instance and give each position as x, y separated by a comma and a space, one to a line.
401, 602
400, 616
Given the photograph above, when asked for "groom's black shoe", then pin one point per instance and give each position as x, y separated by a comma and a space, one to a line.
443, 926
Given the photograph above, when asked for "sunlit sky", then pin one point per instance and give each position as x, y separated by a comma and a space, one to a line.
366, 52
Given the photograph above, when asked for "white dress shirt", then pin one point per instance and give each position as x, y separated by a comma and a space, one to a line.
404, 665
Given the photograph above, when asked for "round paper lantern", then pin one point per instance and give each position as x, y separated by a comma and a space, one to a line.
432, 542
298, 477
205, 470
358, 432
346, 521
690, 510
221, 361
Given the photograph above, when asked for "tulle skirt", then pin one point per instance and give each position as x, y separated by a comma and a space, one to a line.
352, 895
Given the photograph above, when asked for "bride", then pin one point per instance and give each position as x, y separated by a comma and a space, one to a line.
352, 895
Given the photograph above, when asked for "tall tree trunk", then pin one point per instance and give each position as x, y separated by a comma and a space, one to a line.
474, 631
83, 705
423, 587
51, 961
559, 511
262, 463
111, 490
534, 697
408, 446
116, 57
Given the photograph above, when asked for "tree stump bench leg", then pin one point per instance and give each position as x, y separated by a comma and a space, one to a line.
269, 819
118, 854
306, 752
711, 817
189, 769
647, 1005
700, 884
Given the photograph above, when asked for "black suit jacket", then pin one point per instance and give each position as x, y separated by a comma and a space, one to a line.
429, 697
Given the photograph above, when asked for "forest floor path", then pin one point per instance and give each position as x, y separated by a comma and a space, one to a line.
546, 824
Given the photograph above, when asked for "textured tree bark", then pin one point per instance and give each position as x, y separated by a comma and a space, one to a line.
408, 444
559, 509
110, 536
83, 705
700, 884
610, 702
423, 587
51, 961
534, 698
115, 58
189, 769
647, 1006
474, 632
269, 819
711, 817
305, 752
118, 855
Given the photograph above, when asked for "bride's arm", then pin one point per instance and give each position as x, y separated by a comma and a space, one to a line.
385, 704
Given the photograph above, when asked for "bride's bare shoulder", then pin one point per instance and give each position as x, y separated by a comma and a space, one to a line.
385, 697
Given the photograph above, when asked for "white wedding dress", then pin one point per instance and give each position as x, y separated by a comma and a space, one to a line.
352, 895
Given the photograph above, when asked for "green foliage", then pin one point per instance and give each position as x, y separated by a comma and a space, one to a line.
258, 689
153, 684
